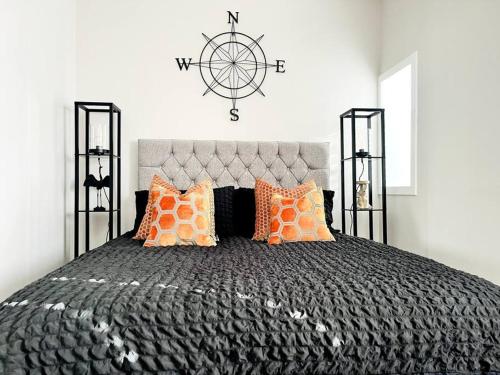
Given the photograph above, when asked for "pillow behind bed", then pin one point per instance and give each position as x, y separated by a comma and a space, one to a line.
141, 201
328, 198
183, 219
224, 211
224, 208
298, 219
244, 211
263, 194
158, 186
234, 210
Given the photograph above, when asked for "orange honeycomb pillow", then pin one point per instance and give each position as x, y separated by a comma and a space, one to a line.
157, 187
263, 194
182, 219
298, 219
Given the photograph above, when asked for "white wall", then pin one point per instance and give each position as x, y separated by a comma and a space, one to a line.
455, 217
37, 79
126, 52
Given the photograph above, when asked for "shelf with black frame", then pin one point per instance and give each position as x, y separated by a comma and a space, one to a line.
362, 157
113, 154
366, 115
97, 212
98, 156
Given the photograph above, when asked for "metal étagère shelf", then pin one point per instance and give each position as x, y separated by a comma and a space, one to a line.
350, 117
114, 156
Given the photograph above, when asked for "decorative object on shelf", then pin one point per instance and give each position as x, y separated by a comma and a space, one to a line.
362, 153
361, 186
101, 140
232, 65
361, 199
98, 138
100, 184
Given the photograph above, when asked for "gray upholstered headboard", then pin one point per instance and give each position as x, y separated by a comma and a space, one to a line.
236, 163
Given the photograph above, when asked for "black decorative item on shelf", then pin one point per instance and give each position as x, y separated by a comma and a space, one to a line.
101, 141
363, 114
99, 184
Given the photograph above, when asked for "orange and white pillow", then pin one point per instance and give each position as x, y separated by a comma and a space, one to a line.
157, 187
183, 219
264, 191
298, 219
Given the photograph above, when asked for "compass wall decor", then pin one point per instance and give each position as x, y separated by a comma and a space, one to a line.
232, 65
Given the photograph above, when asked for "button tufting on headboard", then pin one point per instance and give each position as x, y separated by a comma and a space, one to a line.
237, 163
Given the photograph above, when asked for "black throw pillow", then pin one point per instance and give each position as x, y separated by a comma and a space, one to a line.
223, 201
141, 201
328, 198
244, 212
224, 211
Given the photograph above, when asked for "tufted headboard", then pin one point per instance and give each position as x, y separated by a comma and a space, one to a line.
236, 163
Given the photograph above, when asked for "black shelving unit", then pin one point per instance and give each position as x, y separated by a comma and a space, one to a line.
114, 156
365, 115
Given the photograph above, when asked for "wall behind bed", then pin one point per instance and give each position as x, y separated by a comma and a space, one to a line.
126, 51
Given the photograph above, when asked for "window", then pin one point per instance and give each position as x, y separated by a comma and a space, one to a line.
398, 95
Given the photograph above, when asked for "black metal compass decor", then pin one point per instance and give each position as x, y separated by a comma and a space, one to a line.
232, 65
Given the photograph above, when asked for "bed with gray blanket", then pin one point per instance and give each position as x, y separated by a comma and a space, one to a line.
346, 307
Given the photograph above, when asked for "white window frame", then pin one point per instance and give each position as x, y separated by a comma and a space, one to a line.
413, 61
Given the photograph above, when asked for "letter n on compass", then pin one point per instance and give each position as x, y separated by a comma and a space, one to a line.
231, 17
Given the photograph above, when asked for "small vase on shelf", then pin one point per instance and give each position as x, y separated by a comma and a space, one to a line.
361, 199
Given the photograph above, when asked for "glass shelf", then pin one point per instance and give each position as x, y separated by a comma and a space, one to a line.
363, 157
362, 112
98, 212
98, 156
364, 209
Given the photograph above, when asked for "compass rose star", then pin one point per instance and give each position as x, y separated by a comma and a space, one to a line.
235, 62
233, 45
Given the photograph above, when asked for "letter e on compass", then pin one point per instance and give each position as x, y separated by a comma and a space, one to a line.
280, 66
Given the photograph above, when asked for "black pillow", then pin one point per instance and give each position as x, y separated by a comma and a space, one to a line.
328, 197
141, 201
223, 201
244, 212
224, 209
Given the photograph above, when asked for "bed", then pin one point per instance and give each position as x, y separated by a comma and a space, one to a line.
348, 307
